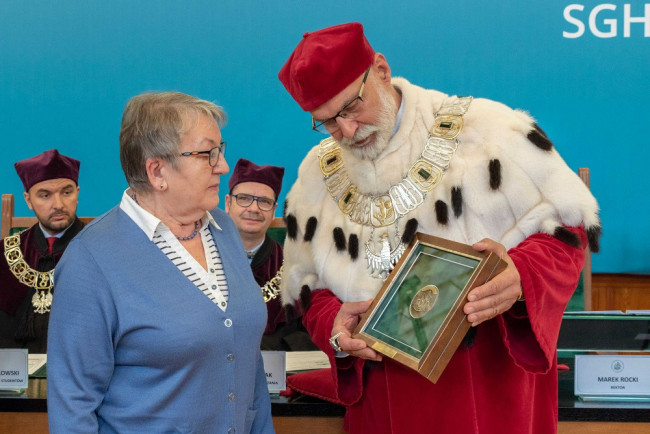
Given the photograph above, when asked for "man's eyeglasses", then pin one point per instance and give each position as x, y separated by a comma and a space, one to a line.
245, 200
213, 153
349, 111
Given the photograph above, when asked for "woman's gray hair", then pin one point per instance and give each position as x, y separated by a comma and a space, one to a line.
153, 125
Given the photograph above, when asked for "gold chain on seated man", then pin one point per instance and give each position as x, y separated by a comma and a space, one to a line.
405, 196
41, 281
271, 289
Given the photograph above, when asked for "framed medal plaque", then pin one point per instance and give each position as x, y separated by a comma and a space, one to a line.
417, 318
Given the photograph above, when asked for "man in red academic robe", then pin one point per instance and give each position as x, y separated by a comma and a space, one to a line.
251, 204
27, 265
400, 159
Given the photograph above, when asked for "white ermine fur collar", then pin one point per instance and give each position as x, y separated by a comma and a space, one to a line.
506, 181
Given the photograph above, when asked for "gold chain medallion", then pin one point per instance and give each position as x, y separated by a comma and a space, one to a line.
41, 281
271, 289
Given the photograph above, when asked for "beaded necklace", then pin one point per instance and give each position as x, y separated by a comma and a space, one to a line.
197, 224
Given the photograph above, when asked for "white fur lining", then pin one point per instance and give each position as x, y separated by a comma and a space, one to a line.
538, 192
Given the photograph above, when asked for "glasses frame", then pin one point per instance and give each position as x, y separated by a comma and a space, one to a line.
221, 147
322, 128
255, 199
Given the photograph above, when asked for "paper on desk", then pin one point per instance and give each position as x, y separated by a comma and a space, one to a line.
306, 360
35, 362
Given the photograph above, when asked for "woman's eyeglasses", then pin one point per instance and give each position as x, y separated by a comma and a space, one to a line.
213, 153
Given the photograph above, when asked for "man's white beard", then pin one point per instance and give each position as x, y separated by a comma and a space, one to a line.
383, 129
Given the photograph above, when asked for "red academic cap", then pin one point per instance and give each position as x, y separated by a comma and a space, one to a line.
247, 171
325, 62
48, 165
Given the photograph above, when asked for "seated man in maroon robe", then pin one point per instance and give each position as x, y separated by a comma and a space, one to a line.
251, 204
27, 265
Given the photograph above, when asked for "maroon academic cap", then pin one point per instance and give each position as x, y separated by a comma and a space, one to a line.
247, 171
48, 165
324, 63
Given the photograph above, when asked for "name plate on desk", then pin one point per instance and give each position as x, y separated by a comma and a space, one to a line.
275, 367
13, 369
612, 376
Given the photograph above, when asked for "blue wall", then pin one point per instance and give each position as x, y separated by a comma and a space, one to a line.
68, 68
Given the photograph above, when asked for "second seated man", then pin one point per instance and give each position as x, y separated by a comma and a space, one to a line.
254, 191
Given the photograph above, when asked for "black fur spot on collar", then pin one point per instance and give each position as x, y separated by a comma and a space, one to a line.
593, 235
292, 226
305, 297
353, 246
457, 201
310, 229
442, 214
495, 174
339, 239
539, 138
410, 229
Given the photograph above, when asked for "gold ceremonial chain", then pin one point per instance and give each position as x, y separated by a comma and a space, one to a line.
385, 209
271, 289
41, 281
427, 171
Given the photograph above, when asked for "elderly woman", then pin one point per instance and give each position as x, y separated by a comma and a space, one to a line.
157, 321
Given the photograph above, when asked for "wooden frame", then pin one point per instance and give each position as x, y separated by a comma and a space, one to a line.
417, 318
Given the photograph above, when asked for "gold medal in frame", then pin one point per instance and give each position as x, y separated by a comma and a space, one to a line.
417, 318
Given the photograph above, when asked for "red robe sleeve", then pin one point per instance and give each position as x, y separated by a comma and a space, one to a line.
319, 320
550, 271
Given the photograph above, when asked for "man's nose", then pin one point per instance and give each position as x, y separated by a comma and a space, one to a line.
58, 201
347, 127
257, 204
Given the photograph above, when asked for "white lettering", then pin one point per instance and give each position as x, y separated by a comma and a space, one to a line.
576, 22
611, 22
603, 20
628, 19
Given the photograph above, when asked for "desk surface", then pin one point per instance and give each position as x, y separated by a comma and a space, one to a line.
570, 407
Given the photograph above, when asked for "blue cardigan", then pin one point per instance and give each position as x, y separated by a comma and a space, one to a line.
134, 346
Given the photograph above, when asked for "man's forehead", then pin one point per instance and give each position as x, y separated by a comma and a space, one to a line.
254, 188
53, 184
338, 101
